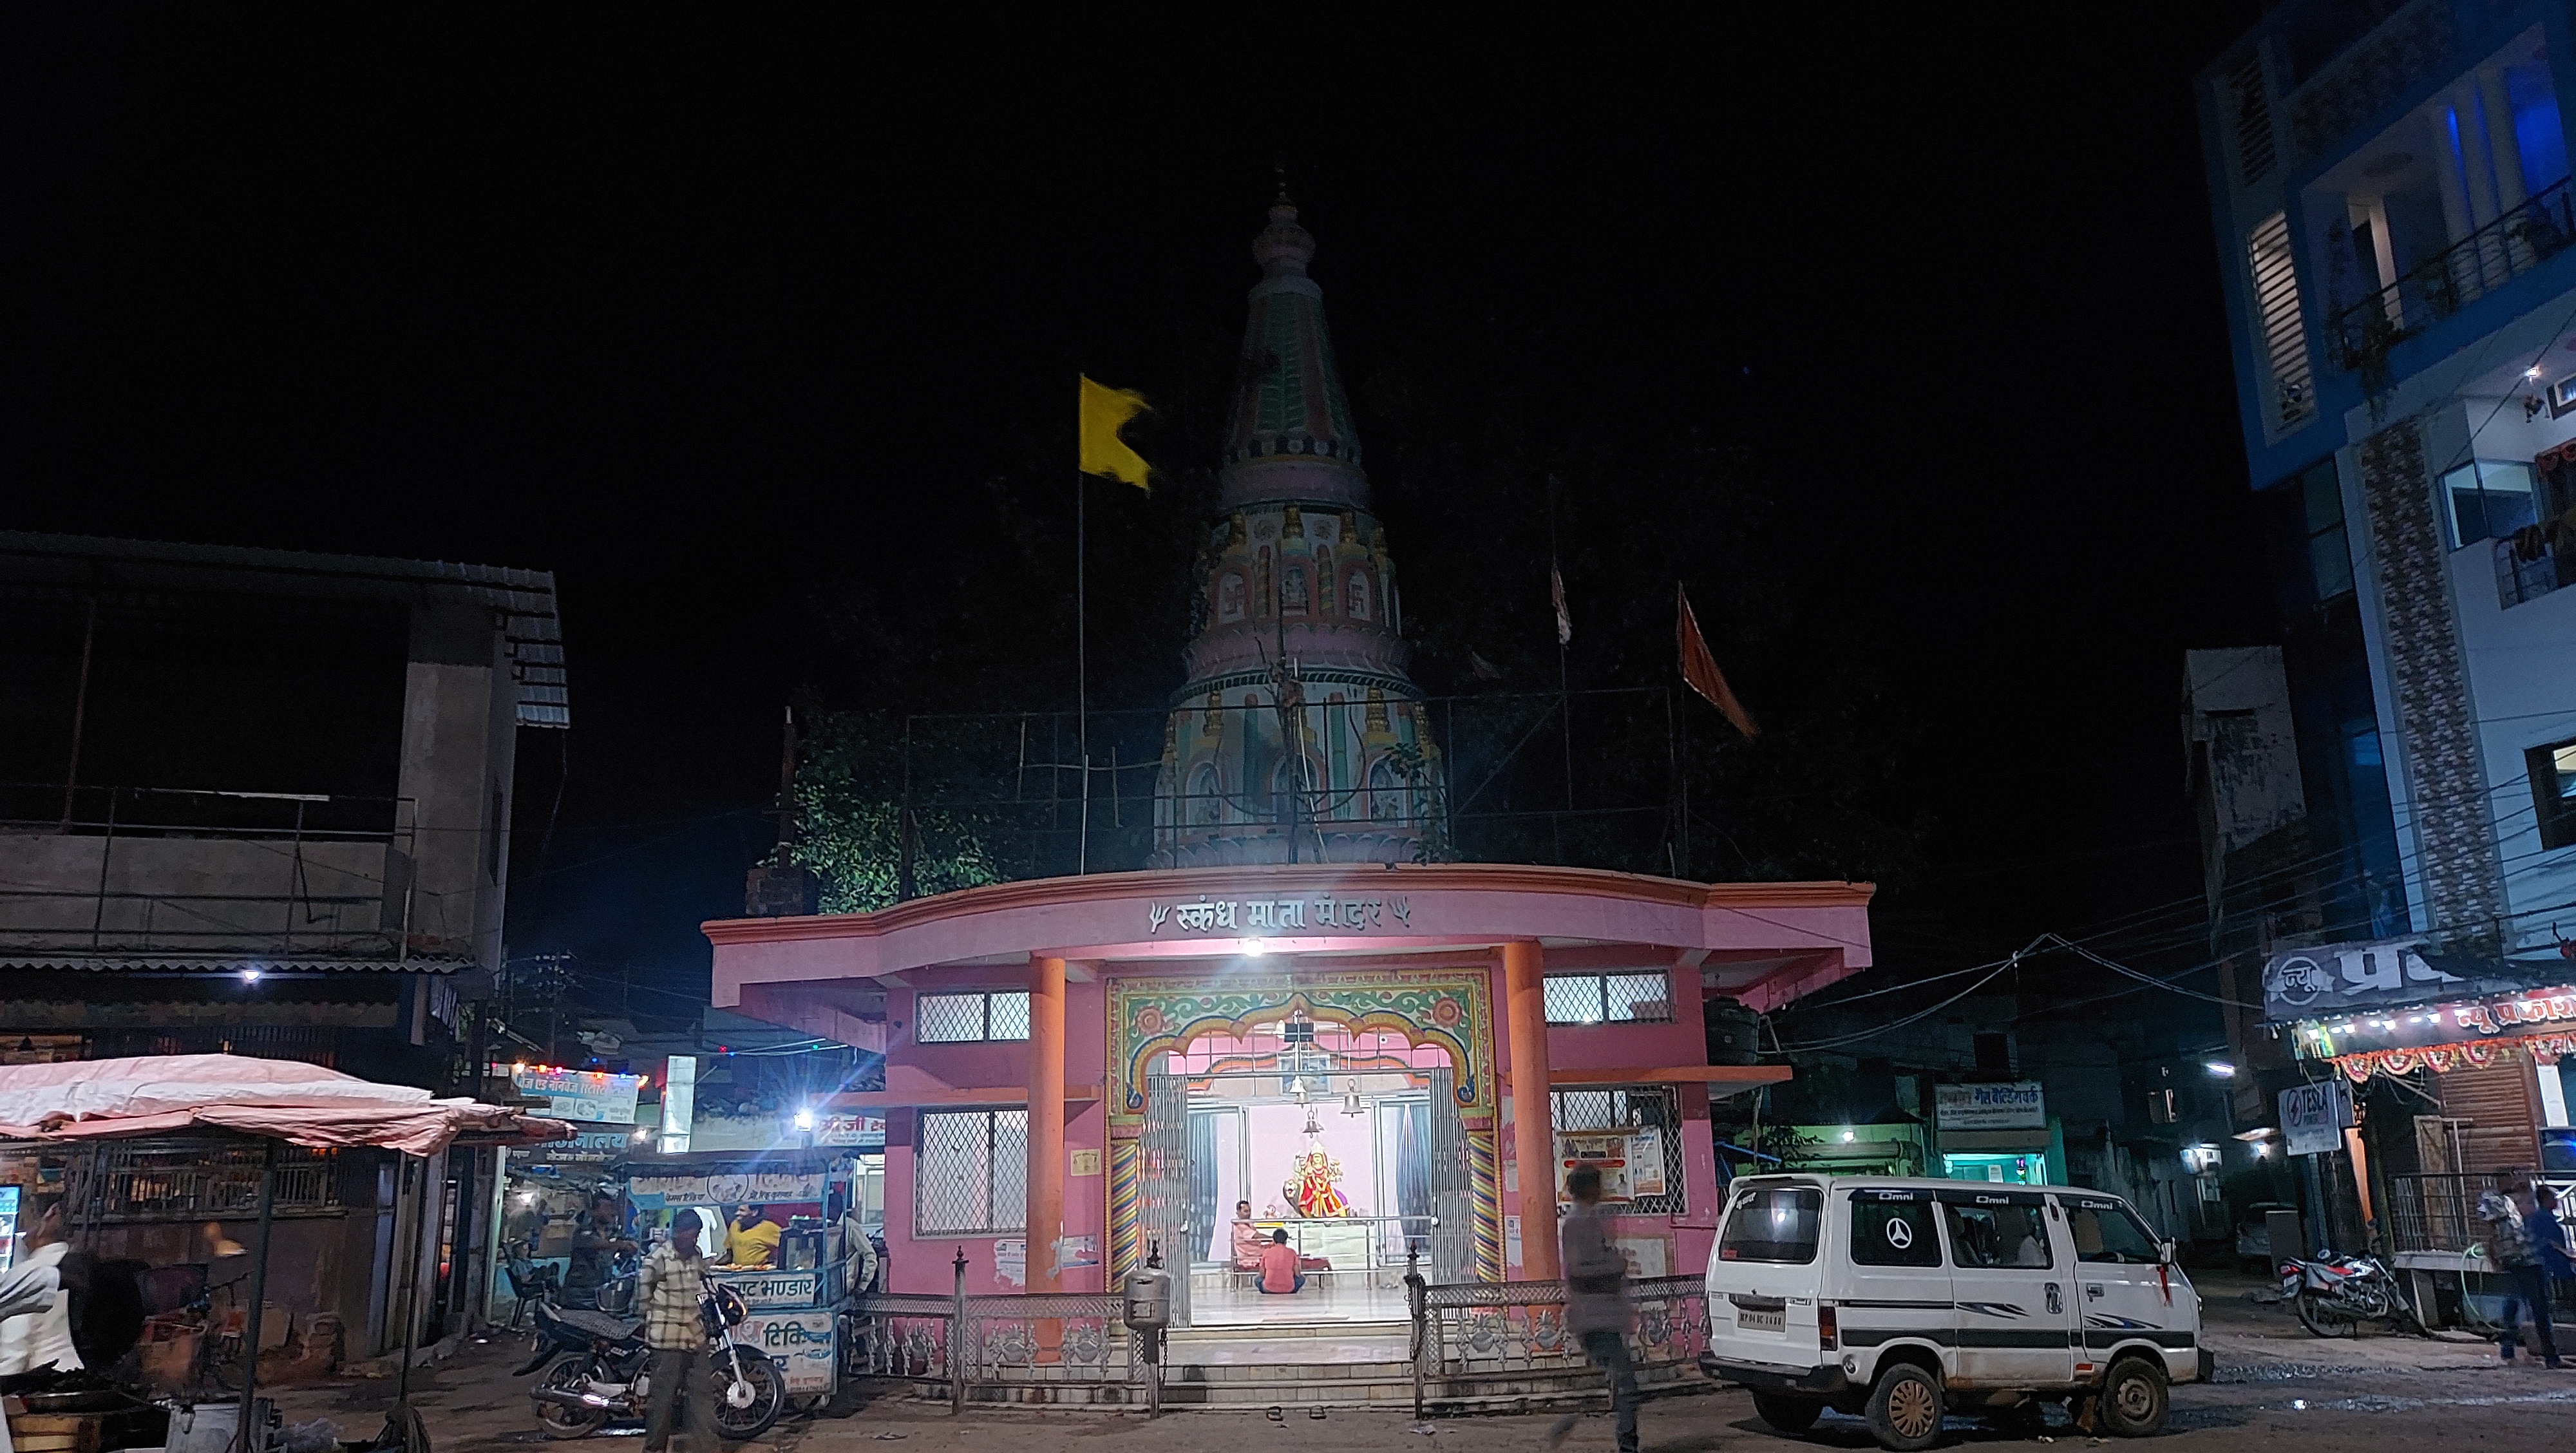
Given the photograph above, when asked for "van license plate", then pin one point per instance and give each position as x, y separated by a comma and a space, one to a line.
1755, 1319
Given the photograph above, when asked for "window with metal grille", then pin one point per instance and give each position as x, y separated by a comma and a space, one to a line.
1629, 1107
148, 1181
971, 1171
964, 1018
2281, 334
1607, 998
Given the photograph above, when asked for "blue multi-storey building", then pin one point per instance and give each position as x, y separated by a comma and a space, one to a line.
2392, 203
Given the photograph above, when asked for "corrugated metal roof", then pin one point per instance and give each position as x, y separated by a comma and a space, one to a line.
33, 960
534, 631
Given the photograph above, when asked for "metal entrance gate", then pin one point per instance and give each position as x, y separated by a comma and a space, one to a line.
1453, 1227
1163, 1182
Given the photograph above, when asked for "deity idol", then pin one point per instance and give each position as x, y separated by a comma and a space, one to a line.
1312, 1188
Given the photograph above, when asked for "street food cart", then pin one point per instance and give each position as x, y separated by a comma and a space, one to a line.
794, 1301
230, 1100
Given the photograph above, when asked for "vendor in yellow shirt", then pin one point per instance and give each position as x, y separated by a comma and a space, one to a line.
752, 1239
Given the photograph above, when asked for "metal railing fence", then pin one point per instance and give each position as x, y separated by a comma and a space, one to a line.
152, 870
1469, 1342
2458, 275
2438, 1211
1590, 777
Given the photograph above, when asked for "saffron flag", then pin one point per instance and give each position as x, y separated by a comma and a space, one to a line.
1699, 668
1556, 594
1485, 670
1104, 412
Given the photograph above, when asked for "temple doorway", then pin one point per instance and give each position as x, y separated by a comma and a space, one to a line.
1343, 1144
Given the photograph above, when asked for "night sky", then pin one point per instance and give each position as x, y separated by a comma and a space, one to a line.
747, 332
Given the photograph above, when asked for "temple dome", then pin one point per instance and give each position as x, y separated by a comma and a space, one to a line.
1300, 736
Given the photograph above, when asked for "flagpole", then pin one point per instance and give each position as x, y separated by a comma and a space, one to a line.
1082, 661
1564, 692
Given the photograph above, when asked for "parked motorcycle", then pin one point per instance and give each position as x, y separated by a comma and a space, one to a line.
2335, 1296
597, 1367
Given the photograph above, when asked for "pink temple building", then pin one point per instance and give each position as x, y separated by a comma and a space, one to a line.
1299, 1005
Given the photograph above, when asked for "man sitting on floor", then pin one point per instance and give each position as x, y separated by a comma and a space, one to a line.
1279, 1273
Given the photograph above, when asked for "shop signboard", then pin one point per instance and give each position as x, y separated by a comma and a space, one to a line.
862, 1132
771, 1290
587, 1095
596, 1147
2363, 978
2435, 1036
729, 1188
2315, 1116
799, 1342
2015, 1106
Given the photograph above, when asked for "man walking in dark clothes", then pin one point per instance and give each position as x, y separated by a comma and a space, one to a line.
2511, 1246
1596, 1301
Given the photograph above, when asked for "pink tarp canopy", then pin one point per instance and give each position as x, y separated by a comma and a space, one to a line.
303, 1104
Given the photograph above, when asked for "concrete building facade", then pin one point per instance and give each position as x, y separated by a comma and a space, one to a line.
259, 802
2390, 188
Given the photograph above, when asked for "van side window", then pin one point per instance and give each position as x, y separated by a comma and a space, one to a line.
1996, 1231
2111, 1232
1773, 1223
1893, 1228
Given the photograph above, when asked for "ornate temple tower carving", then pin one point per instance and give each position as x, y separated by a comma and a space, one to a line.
1299, 736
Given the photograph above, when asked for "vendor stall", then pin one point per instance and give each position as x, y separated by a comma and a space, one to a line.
225, 1101
794, 1298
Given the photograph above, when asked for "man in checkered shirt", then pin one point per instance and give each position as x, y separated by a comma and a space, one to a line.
666, 1292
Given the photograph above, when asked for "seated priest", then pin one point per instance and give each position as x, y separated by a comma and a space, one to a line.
1247, 1239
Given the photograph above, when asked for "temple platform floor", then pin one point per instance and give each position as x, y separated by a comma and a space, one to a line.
1327, 1301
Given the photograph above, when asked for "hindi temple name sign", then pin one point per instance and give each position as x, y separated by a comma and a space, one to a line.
1237, 915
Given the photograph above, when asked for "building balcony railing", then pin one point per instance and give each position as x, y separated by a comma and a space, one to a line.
2534, 561
2359, 336
148, 872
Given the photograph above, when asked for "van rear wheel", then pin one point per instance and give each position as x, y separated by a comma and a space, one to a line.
1905, 1408
2135, 1399
1788, 1414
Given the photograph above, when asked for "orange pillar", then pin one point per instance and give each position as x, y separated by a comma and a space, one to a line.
1533, 1139
1046, 1120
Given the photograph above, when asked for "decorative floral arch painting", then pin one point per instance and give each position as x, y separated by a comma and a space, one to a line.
1451, 1008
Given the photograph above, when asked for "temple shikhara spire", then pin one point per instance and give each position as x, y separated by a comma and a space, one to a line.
1300, 736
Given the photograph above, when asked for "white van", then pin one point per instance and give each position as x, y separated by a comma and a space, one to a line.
1902, 1299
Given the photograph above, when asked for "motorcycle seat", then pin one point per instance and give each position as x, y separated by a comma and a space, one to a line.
599, 1324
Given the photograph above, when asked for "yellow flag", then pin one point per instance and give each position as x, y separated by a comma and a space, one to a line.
1104, 412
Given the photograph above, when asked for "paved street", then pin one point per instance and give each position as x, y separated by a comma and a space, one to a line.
2277, 1387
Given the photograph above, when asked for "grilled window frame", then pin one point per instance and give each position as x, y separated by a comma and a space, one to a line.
1567, 997
1594, 1109
998, 1015
989, 1194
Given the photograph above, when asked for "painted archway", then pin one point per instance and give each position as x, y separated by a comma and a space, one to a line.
1451, 1008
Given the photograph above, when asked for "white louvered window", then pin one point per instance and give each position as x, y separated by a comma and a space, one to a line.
2248, 105
2280, 333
